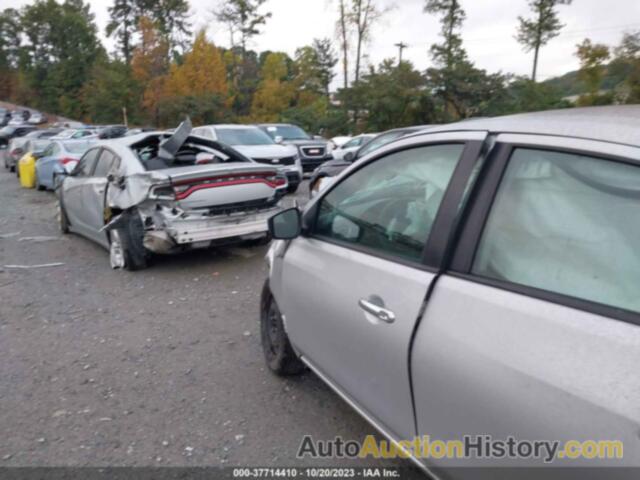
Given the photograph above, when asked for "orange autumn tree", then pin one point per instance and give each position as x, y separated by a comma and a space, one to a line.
202, 71
149, 65
275, 92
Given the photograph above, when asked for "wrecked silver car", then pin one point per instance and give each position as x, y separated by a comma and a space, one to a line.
161, 193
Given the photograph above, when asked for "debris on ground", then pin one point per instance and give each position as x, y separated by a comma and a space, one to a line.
9, 235
30, 267
38, 239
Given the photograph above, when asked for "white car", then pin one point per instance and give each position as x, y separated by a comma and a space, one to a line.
352, 146
340, 141
255, 144
160, 193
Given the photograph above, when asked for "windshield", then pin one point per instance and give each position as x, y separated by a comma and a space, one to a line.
243, 136
77, 147
66, 133
287, 132
7, 130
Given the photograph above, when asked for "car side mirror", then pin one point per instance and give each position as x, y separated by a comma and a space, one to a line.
279, 139
286, 225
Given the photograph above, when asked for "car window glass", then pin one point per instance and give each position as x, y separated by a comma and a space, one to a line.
85, 167
568, 224
105, 163
356, 142
389, 205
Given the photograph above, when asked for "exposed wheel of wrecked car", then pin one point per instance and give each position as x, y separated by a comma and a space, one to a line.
126, 251
279, 354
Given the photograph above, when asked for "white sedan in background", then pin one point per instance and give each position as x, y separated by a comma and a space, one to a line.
352, 146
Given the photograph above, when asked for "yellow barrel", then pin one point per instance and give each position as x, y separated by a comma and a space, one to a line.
27, 170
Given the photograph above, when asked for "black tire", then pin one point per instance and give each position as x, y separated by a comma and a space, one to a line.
12, 168
39, 187
63, 221
278, 353
130, 238
293, 189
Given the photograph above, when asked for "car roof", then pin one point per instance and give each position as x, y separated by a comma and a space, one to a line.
614, 124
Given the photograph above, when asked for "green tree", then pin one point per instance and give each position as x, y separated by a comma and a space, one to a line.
460, 88
394, 96
123, 23
60, 49
327, 61
534, 33
626, 65
343, 32
242, 18
171, 18
362, 16
593, 58
314, 67
521, 94
10, 41
10, 48
108, 90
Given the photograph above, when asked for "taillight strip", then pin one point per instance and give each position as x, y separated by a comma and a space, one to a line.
228, 175
204, 186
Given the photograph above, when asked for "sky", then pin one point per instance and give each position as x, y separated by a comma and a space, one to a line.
488, 31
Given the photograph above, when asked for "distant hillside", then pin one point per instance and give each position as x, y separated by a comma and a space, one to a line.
569, 84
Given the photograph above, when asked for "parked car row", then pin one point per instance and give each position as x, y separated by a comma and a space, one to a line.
149, 193
21, 116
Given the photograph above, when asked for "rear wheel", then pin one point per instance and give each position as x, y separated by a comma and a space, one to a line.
278, 353
63, 221
38, 186
126, 249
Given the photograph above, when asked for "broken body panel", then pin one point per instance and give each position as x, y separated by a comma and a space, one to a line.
188, 193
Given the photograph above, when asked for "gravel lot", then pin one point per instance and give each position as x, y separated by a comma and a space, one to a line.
160, 367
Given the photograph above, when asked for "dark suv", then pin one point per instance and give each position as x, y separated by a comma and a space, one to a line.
313, 151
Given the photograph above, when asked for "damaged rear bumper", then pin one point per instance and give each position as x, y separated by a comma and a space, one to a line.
202, 231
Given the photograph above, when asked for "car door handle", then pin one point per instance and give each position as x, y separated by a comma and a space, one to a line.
381, 313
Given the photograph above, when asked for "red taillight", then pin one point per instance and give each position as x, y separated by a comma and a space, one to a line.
64, 161
187, 187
